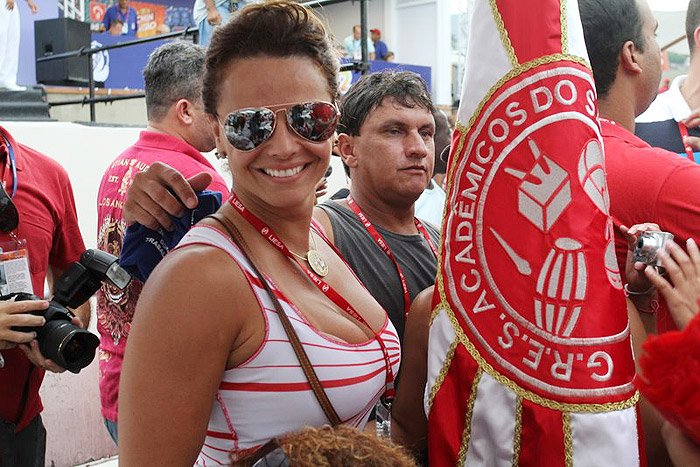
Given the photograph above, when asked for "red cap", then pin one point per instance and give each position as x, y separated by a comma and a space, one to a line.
376, 30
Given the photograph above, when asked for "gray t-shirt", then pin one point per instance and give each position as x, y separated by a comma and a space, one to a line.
373, 266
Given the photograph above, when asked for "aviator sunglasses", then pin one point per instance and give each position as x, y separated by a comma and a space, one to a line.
246, 129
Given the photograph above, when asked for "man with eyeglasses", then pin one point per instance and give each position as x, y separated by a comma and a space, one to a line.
177, 134
40, 238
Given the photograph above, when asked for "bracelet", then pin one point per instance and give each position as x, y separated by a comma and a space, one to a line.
629, 292
2, 361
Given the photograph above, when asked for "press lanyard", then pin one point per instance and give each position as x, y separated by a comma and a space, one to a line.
688, 149
385, 247
13, 164
325, 288
124, 18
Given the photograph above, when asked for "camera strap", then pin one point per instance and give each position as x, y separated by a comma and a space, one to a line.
303, 358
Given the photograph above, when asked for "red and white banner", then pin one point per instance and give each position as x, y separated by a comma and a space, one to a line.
530, 358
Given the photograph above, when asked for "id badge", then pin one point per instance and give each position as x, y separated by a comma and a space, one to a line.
383, 419
125, 28
14, 268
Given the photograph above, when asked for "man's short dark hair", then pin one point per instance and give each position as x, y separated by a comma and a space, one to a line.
405, 87
692, 21
442, 131
607, 25
174, 71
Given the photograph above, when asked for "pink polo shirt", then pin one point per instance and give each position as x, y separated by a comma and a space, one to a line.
115, 308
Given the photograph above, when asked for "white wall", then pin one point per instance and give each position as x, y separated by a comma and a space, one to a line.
421, 30
417, 31
341, 17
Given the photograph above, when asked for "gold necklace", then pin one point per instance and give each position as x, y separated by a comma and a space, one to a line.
314, 258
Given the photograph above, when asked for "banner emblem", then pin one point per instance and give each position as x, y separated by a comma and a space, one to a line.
526, 217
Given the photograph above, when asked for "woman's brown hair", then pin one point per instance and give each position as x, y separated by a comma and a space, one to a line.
337, 446
274, 28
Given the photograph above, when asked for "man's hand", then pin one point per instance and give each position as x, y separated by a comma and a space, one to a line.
149, 202
683, 292
683, 450
17, 314
213, 17
33, 7
10, 4
692, 121
34, 355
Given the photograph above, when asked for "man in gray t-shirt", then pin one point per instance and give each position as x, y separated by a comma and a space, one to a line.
386, 140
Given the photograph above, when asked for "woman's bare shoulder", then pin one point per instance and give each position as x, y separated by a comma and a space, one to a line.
197, 279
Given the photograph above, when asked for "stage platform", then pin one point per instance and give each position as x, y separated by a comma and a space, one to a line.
35, 104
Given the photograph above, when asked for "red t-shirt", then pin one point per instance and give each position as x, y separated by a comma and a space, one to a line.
49, 223
649, 184
115, 308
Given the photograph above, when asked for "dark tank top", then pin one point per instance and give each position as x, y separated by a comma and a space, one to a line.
374, 268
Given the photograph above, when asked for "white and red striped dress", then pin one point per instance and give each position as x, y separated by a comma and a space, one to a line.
268, 395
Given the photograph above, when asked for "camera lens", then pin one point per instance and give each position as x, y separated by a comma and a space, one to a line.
67, 345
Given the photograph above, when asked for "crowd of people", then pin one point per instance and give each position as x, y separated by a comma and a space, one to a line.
274, 313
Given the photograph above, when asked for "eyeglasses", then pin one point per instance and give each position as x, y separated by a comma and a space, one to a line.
247, 129
9, 219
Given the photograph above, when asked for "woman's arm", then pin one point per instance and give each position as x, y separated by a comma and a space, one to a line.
409, 424
185, 327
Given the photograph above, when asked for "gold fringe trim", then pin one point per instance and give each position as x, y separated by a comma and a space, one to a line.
520, 69
507, 44
568, 440
517, 435
564, 28
443, 372
466, 434
531, 396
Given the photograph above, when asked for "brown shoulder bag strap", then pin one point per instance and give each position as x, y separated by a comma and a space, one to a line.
309, 371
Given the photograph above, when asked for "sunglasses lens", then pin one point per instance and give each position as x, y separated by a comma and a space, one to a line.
315, 121
248, 128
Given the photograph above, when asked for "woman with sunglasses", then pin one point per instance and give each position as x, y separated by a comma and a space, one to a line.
209, 366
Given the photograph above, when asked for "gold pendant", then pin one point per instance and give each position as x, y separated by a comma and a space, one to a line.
317, 263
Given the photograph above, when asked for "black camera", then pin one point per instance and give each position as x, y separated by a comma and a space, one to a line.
60, 340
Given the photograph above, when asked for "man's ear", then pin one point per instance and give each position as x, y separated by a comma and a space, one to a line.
184, 110
696, 38
346, 149
630, 57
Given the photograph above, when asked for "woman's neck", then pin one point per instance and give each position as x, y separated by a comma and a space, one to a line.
291, 225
